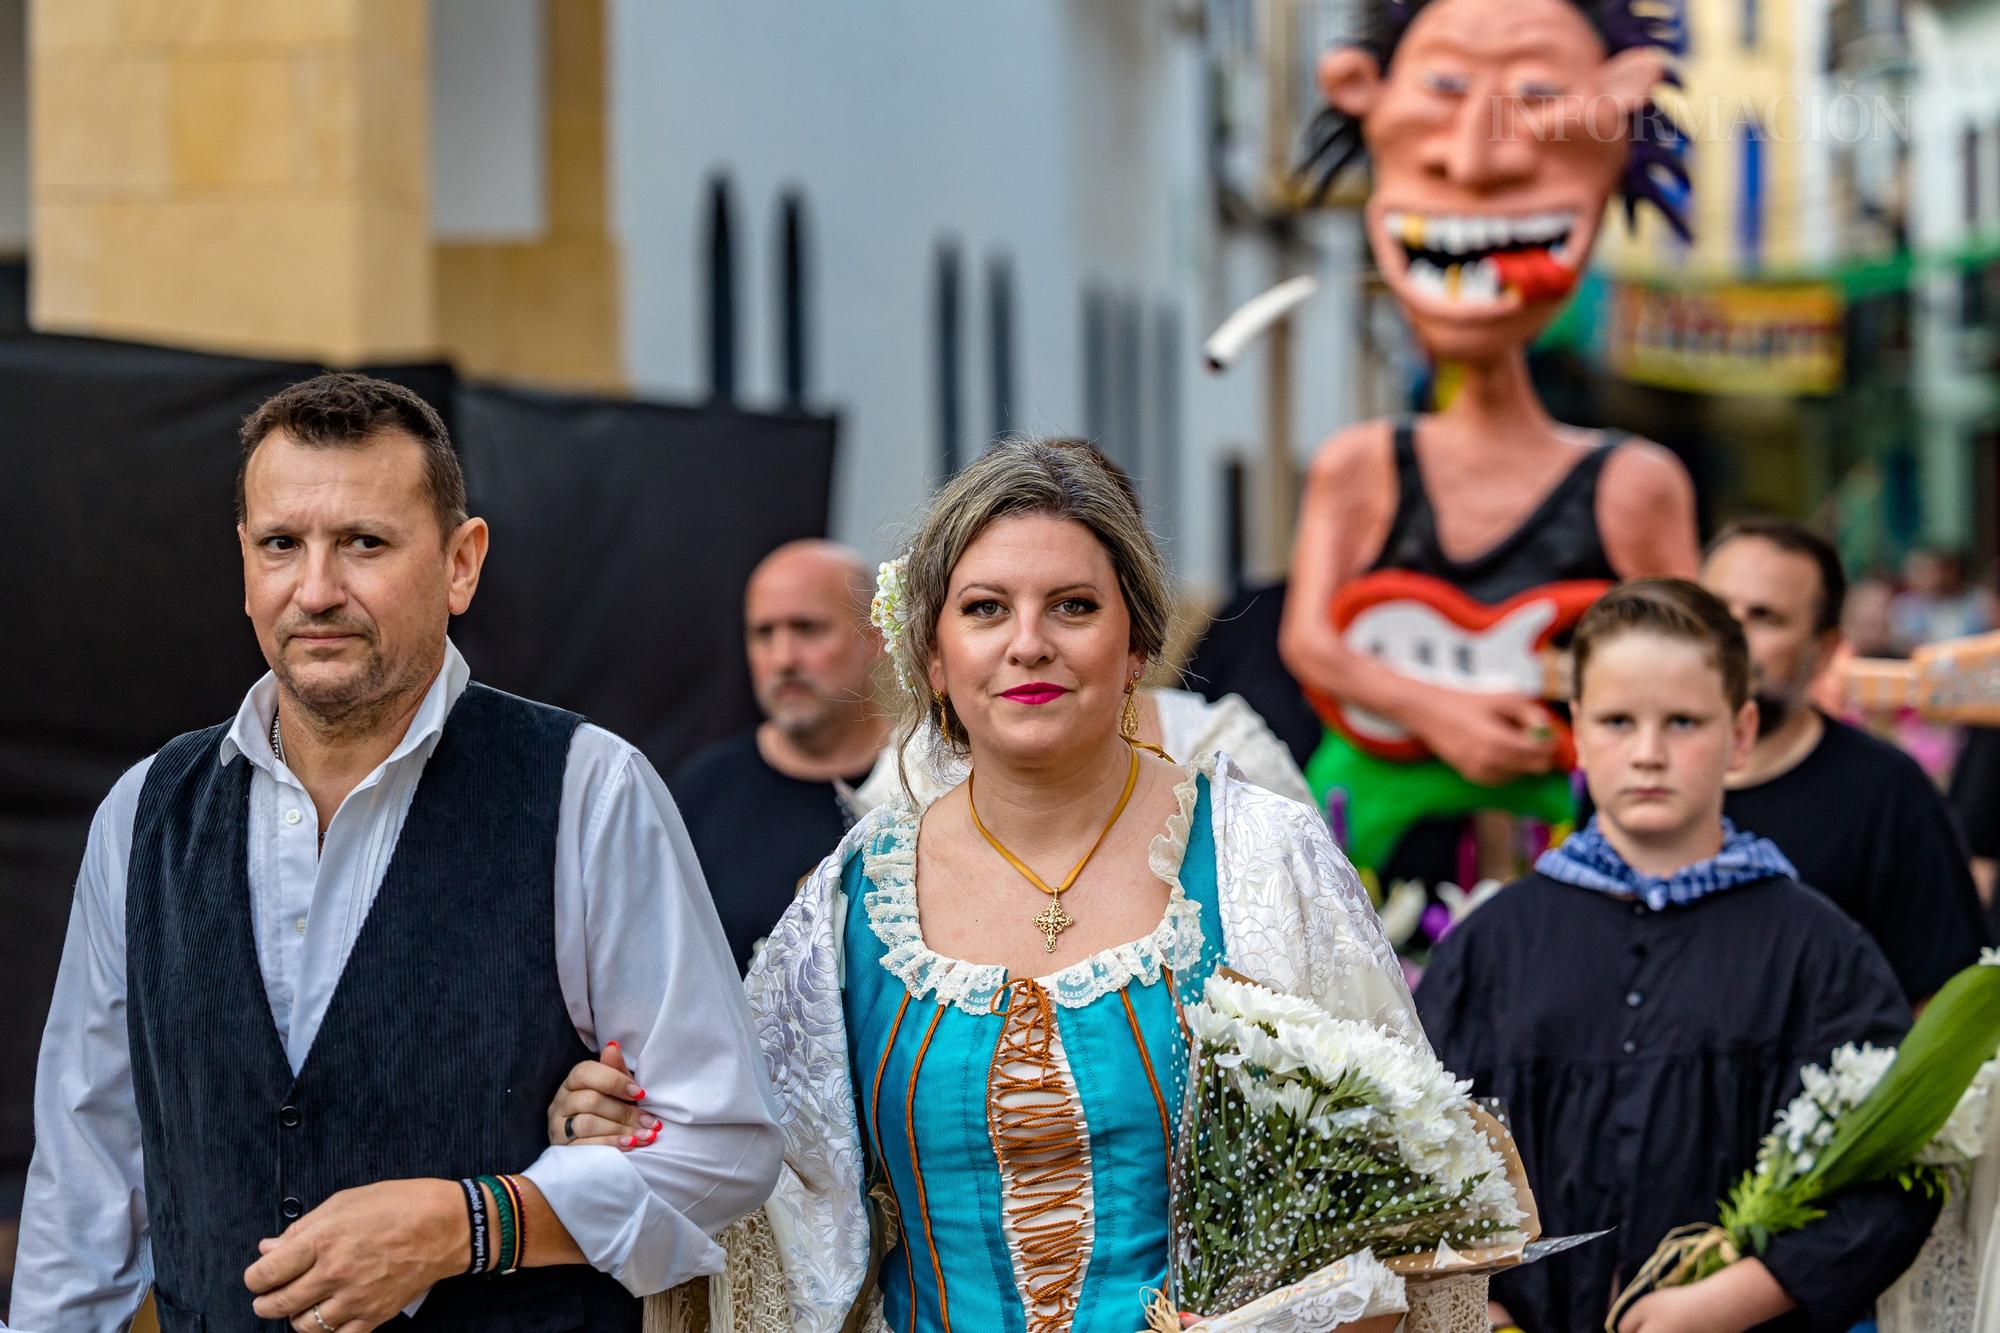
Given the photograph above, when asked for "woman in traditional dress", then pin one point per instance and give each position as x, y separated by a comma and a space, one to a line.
971, 1010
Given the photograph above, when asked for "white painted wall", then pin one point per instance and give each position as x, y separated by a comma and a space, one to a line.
1819, 229
1957, 52
488, 111
1066, 135
13, 127
1956, 48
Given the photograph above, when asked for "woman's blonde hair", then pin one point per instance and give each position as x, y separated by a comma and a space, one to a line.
1060, 478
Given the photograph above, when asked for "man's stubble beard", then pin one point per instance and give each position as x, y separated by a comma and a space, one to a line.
358, 704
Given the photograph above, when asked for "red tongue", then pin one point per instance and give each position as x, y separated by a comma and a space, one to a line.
1535, 274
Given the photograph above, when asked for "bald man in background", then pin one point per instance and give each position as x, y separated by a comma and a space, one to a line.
764, 807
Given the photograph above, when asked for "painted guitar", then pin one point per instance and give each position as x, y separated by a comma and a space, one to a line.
1373, 777
1428, 630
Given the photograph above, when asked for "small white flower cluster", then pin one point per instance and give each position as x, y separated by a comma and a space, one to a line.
889, 612
1805, 1126
1989, 957
1285, 1056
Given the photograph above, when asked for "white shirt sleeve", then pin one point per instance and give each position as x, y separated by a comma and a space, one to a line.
84, 1263
643, 961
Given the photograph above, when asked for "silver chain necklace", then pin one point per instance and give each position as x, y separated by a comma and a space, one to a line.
278, 751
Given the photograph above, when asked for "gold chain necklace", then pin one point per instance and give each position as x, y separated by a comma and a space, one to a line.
1053, 920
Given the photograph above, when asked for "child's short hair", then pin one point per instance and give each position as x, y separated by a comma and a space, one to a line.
1673, 609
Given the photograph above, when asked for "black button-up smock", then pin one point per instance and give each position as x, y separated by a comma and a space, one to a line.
1642, 1056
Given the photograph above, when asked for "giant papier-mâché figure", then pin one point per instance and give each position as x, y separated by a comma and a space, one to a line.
1439, 557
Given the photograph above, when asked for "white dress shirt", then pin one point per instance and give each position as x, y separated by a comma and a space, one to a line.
639, 953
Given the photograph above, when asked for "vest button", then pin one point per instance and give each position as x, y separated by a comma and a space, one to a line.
292, 1209
289, 1117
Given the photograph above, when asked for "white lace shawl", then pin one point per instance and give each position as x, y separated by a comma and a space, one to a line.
1294, 915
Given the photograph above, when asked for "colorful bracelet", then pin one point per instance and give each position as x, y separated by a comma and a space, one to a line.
475, 1212
503, 1210
520, 1220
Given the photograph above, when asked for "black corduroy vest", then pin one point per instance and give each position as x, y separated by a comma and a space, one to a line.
444, 1041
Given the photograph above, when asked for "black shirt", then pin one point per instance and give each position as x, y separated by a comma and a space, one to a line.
757, 832
1975, 797
1864, 825
1557, 542
1642, 1071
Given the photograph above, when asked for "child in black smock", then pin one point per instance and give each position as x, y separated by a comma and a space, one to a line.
1644, 1000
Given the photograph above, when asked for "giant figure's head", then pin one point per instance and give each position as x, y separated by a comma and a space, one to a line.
1498, 130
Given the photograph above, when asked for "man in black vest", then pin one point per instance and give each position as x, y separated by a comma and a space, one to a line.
328, 962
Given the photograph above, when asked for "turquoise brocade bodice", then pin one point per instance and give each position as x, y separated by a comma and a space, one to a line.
1024, 1126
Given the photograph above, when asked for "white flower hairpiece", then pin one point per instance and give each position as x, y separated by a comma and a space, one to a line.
889, 612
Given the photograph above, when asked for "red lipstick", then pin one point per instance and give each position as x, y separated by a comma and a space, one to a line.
1034, 692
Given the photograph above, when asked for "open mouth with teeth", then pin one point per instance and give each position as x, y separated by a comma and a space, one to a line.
1472, 260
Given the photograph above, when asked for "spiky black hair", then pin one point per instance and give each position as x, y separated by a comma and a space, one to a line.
1655, 169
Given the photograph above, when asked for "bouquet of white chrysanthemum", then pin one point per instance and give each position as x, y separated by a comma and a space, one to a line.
1915, 1114
1306, 1140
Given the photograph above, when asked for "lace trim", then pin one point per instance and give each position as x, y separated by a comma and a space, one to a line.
890, 862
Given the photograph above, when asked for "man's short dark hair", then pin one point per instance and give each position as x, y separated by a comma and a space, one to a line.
345, 410
1799, 539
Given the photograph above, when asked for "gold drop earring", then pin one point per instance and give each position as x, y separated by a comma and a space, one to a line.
1128, 722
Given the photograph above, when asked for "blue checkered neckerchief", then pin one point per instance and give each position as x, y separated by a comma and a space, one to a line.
1588, 860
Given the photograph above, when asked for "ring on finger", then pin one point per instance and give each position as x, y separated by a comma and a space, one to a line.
320, 1319
569, 1127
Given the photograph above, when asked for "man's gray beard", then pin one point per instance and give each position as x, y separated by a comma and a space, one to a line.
802, 727
1771, 714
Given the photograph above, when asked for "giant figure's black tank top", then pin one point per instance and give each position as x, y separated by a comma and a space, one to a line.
1557, 541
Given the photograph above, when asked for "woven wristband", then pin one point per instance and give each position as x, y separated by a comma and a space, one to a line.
475, 1213
520, 1219
503, 1209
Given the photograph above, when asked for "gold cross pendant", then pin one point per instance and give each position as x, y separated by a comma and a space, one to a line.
1052, 922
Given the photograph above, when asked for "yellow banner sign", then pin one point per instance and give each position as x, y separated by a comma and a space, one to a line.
1737, 338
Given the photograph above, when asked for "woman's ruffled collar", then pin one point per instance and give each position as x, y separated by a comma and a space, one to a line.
890, 863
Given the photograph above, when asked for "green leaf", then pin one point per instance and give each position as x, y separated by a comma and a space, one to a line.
1957, 1033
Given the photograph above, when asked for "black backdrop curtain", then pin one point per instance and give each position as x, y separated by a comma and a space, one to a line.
622, 536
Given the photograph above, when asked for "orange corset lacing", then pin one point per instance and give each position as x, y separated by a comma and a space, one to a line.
1043, 1146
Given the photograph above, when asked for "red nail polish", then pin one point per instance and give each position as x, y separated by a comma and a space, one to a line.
610, 1045
639, 1095
631, 1140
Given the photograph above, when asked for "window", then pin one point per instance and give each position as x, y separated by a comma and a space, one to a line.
945, 303
792, 304
1165, 471
1000, 341
721, 254
1096, 365
1970, 152
1750, 199
1123, 441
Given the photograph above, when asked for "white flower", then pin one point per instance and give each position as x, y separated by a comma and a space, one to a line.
1306, 1077
1260, 1004
1989, 957
889, 612
1807, 1124
1964, 1134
